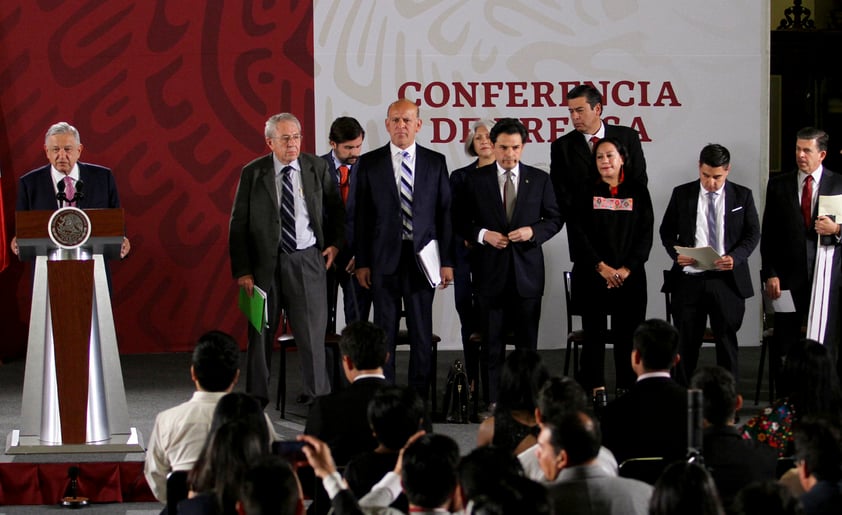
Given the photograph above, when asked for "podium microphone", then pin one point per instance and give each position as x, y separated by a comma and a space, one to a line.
60, 196
80, 192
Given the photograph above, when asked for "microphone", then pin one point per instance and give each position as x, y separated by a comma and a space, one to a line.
60, 196
80, 191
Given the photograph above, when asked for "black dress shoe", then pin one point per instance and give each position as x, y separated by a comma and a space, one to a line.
304, 399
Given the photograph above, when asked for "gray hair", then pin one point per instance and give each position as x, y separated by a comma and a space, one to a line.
469, 141
62, 128
274, 120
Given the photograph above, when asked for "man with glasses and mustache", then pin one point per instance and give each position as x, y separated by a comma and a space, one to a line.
287, 225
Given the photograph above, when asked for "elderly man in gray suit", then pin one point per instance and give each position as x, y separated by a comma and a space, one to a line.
287, 225
567, 451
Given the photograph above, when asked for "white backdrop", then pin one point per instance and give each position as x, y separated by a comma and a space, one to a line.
685, 73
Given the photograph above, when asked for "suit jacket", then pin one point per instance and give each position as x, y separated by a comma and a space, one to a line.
341, 419
255, 228
480, 206
573, 167
346, 253
734, 462
37, 192
589, 489
783, 246
649, 420
742, 229
377, 221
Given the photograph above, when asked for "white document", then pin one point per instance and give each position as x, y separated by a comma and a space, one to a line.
831, 205
783, 304
430, 262
704, 256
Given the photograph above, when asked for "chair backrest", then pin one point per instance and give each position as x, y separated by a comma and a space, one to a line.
568, 300
176, 490
784, 465
647, 469
667, 296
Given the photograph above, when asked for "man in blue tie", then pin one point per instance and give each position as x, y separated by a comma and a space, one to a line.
718, 213
286, 228
403, 204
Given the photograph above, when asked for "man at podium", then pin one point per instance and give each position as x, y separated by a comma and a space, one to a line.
83, 185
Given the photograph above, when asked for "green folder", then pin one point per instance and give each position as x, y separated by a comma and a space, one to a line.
255, 308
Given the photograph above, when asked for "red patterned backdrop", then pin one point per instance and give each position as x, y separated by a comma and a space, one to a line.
172, 95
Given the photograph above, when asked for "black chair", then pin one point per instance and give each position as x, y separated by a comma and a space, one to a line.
647, 469
784, 465
708, 337
287, 343
575, 337
176, 490
765, 341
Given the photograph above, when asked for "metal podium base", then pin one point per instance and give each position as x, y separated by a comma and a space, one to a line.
131, 442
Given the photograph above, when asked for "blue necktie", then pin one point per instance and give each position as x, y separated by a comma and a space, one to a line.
288, 242
713, 237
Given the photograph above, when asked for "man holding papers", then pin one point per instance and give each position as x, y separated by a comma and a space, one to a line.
509, 209
286, 227
798, 240
402, 206
711, 212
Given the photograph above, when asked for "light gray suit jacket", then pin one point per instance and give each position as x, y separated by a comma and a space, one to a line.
590, 490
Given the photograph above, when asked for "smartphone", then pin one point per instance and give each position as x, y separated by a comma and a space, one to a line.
291, 450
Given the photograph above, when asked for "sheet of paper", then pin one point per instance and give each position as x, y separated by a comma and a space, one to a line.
831, 205
783, 304
704, 256
430, 262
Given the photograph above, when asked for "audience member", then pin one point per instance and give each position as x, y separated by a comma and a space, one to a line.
766, 498
516, 496
509, 209
477, 144
685, 489
402, 205
610, 235
733, 461
287, 224
571, 445
179, 433
807, 385
270, 487
718, 213
484, 470
651, 419
818, 454
346, 141
395, 413
513, 426
229, 452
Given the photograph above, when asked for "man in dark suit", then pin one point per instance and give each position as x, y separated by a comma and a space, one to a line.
510, 210
715, 212
733, 462
572, 166
94, 184
286, 228
651, 418
346, 139
403, 204
791, 229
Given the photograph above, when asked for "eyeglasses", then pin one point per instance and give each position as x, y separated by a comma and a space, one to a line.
287, 138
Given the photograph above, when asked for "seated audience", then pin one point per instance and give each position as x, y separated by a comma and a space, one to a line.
340, 418
484, 469
425, 472
179, 432
766, 498
733, 461
395, 413
513, 426
651, 419
807, 385
571, 445
559, 396
270, 487
818, 455
685, 489
516, 496
230, 451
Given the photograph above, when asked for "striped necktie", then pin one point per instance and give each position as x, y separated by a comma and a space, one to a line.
713, 236
406, 196
288, 241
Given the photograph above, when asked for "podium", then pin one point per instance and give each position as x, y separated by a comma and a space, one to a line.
73, 395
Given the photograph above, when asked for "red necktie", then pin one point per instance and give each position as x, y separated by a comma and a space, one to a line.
344, 184
594, 140
807, 201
